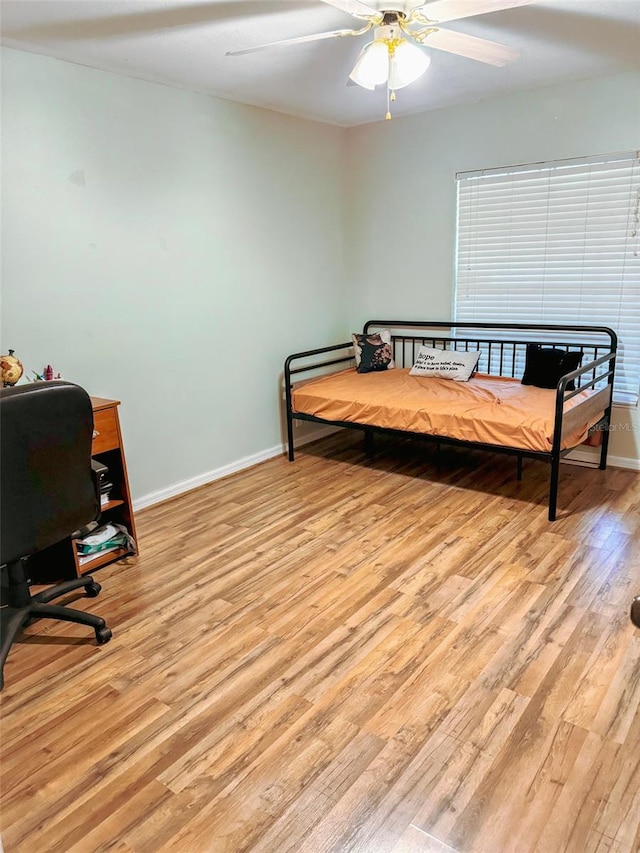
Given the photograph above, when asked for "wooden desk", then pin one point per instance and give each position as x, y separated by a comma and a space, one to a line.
61, 562
107, 447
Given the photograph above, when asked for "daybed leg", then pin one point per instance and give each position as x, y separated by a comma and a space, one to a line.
519, 467
368, 442
604, 446
553, 487
290, 436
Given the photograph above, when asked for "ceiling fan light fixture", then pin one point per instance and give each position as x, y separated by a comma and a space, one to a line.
389, 59
407, 63
372, 65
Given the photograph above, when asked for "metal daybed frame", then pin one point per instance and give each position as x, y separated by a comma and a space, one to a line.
501, 356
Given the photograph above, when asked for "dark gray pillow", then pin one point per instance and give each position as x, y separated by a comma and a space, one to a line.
545, 366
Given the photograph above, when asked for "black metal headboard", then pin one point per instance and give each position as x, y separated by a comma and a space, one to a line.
502, 346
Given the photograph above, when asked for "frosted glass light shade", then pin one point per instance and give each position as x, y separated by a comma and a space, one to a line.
406, 65
372, 66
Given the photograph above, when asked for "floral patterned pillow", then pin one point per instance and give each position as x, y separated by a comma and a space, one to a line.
373, 352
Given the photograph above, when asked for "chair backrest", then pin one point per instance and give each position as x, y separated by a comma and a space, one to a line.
47, 489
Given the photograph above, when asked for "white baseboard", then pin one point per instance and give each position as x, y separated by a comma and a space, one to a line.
623, 462
180, 488
594, 459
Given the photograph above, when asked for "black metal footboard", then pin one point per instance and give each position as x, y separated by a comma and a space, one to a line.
503, 349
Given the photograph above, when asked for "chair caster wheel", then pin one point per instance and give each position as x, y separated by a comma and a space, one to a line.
635, 612
103, 635
93, 589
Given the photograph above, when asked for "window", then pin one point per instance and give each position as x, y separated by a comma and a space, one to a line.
555, 243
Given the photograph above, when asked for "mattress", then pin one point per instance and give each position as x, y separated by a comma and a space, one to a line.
488, 409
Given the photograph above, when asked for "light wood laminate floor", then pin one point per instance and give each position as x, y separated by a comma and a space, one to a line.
343, 654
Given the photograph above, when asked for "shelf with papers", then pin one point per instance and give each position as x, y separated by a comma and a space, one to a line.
89, 562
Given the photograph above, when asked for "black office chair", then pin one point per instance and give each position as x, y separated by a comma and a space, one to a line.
47, 492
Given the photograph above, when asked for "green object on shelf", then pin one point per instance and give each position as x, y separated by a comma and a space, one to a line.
105, 538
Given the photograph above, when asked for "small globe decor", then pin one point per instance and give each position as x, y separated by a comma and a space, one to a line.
11, 369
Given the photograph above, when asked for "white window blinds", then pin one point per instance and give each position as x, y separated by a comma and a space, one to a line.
555, 243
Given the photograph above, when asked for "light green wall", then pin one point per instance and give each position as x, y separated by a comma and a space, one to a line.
402, 199
167, 249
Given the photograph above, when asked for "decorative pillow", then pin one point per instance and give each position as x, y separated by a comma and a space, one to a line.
545, 366
445, 364
373, 352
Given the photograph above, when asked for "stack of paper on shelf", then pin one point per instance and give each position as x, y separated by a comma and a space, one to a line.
107, 537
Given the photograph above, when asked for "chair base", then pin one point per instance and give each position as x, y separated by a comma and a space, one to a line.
635, 611
23, 608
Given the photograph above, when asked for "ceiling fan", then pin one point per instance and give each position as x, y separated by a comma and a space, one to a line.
400, 30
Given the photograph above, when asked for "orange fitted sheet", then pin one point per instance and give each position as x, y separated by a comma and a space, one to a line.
489, 409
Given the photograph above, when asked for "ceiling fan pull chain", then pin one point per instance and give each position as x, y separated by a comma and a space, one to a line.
391, 50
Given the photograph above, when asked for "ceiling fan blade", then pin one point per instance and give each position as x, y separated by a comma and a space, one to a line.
482, 50
354, 7
299, 40
441, 11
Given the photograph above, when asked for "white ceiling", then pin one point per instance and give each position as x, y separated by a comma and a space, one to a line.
183, 43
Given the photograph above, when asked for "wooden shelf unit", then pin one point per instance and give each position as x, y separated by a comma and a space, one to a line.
61, 562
